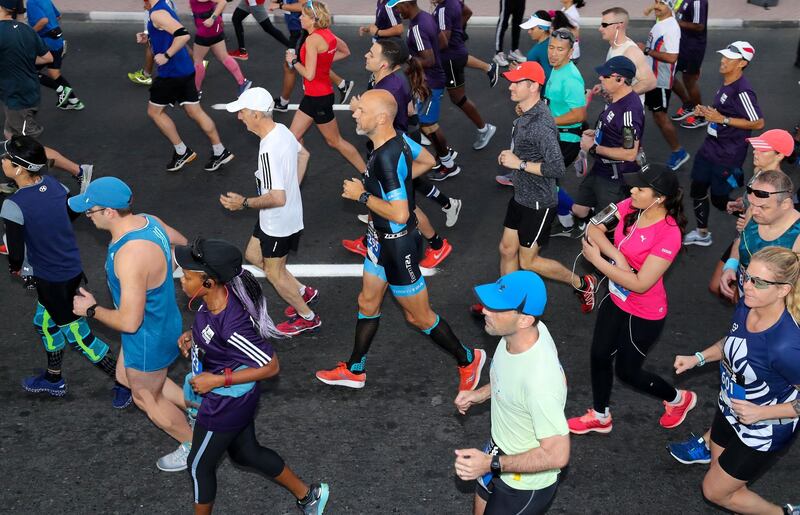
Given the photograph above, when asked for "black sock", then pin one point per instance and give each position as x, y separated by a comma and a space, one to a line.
432, 192
61, 81
47, 82
270, 29
365, 332
444, 337
702, 207
108, 365
435, 241
54, 360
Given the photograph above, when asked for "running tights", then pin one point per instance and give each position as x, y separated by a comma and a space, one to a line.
514, 9
243, 448
238, 17
626, 339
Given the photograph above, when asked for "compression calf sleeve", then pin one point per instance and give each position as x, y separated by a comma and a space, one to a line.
444, 337
199, 75
233, 67
366, 328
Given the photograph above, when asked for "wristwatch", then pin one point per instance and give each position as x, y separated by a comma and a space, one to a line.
726, 121
295, 61
495, 465
646, 51
90, 310
245, 205
522, 165
593, 150
364, 197
167, 56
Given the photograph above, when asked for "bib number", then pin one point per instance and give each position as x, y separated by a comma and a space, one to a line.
373, 244
618, 291
711, 128
730, 387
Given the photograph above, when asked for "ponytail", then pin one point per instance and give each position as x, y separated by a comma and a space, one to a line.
245, 287
785, 266
416, 77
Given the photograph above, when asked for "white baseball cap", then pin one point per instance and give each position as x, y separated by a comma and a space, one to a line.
533, 21
739, 50
257, 99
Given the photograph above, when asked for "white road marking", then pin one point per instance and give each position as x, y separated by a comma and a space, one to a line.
321, 270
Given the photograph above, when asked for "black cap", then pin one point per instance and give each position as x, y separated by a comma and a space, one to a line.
620, 65
219, 259
655, 176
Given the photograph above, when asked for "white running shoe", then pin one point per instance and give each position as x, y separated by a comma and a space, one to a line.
483, 137
500, 59
424, 141
695, 238
517, 56
452, 212
363, 218
176, 460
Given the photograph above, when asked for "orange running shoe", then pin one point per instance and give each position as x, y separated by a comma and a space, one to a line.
341, 376
434, 257
356, 246
471, 374
588, 423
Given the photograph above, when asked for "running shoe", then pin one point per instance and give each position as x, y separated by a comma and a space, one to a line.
504, 180
559, 231
589, 423
63, 96
676, 159
693, 450
433, 258
244, 86
319, 498
139, 77
363, 219
695, 237
298, 324
683, 112
675, 414
73, 106
122, 397
84, 176
792, 509
586, 297
517, 56
483, 137
452, 212
279, 106
8, 187
423, 140
440, 172
341, 376
476, 309
694, 122
494, 74
176, 460
215, 162
310, 297
3, 249
470, 375
356, 246
179, 161
500, 59
344, 92
39, 384
239, 53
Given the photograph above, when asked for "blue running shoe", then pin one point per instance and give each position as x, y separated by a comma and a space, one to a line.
694, 450
122, 397
245, 86
319, 498
677, 158
38, 384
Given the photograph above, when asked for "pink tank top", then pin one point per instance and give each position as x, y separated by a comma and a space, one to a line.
201, 11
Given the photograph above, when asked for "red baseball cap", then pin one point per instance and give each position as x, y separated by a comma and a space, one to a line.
777, 140
529, 70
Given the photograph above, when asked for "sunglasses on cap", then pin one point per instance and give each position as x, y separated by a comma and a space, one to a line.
607, 24
759, 283
762, 193
310, 5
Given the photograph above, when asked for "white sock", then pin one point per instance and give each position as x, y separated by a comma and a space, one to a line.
180, 148
448, 160
309, 316
484, 128
284, 100
219, 148
602, 417
566, 220
677, 400
341, 84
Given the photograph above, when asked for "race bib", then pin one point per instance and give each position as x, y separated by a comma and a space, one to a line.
373, 244
730, 388
711, 128
618, 291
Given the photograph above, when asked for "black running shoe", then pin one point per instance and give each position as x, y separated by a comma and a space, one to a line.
216, 161
493, 73
280, 106
344, 92
178, 161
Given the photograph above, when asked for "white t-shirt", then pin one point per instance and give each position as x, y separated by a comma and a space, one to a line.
665, 36
574, 18
277, 170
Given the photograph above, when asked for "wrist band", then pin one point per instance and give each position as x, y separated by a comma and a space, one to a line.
731, 264
701, 360
228, 377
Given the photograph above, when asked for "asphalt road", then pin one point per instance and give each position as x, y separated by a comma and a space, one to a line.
389, 447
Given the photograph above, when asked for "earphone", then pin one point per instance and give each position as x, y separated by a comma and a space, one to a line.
207, 283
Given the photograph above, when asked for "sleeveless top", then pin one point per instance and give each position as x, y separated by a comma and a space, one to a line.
620, 50
321, 85
201, 11
180, 64
751, 242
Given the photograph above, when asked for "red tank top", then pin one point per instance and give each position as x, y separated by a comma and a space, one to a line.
321, 85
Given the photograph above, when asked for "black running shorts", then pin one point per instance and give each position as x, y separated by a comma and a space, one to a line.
504, 500
56, 297
532, 225
173, 90
569, 150
454, 70
690, 62
657, 99
318, 108
738, 460
209, 41
276, 246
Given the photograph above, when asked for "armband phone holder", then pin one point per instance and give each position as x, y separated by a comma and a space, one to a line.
605, 215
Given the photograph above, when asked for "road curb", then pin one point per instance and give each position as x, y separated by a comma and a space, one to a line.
475, 21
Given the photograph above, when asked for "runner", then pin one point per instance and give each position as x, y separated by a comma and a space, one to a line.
394, 247
570, 10
230, 349
139, 274
255, 7
319, 51
279, 204
175, 84
39, 229
211, 36
514, 9
517, 472
613, 28
629, 326
387, 23
43, 16
144, 75
423, 42
454, 60
692, 16
759, 398
718, 164
661, 49
538, 27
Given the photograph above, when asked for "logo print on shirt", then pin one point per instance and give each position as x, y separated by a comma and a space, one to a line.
723, 98
610, 116
734, 327
642, 237
42, 188
207, 334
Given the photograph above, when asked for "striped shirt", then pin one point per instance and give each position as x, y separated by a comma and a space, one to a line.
423, 34
277, 170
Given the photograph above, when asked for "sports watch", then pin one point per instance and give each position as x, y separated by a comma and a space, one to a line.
726, 121
522, 165
495, 464
364, 197
90, 310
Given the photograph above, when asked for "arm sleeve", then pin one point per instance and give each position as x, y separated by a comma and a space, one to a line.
672, 40
441, 19
246, 346
700, 10
58, 13
750, 106
15, 243
269, 172
623, 207
35, 13
419, 41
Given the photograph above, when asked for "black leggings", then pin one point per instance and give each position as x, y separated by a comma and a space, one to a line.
626, 338
514, 9
244, 450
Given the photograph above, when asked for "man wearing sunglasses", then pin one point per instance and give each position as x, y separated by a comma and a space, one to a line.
613, 28
717, 168
139, 275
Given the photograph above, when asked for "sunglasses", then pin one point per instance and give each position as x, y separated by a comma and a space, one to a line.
762, 193
562, 34
606, 25
310, 5
759, 283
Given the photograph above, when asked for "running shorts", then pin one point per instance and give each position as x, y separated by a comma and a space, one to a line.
598, 191
318, 108
22, 122
173, 90
690, 62
721, 177
209, 40
428, 110
657, 99
501, 499
56, 297
398, 263
276, 246
454, 71
740, 461
532, 225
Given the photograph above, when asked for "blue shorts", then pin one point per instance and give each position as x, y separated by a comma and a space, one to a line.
722, 178
149, 354
428, 111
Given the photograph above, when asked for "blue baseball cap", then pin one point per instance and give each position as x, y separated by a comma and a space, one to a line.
521, 291
104, 192
393, 3
620, 65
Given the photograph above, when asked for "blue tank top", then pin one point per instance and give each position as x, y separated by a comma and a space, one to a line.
162, 319
751, 242
180, 64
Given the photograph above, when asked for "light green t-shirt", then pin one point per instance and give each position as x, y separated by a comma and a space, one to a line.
529, 391
565, 91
